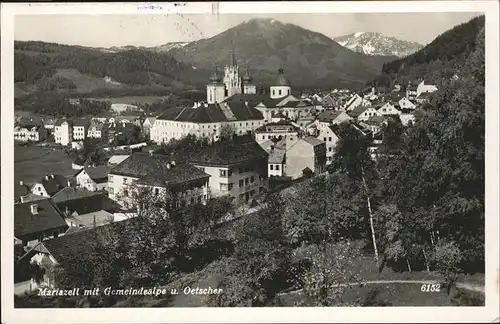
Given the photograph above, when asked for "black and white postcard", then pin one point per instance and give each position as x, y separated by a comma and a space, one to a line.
254, 161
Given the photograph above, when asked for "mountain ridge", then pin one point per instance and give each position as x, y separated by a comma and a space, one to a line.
373, 43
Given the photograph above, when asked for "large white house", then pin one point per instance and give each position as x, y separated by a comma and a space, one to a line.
330, 138
80, 129
281, 129
63, 132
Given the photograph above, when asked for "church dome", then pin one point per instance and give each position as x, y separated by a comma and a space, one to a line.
247, 77
281, 80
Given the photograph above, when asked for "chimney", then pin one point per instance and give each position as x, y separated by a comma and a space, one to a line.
246, 103
34, 209
69, 183
21, 182
168, 166
23, 198
172, 163
46, 177
52, 176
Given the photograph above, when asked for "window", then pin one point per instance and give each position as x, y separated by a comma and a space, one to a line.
324, 139
223, 186
271, 167
329, 139
229, 172
330, 149
241, 182
252, 179
279, 92
277, 167
230, 186
246, 181
222, 173
125, 192
124, 180
157, 191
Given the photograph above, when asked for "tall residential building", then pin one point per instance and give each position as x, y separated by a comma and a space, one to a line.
63, 132
237, 168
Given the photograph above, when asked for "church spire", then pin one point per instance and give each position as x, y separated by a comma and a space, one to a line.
214, 77
233, 55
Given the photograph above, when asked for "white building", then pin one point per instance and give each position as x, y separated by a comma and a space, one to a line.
237, 168
96, 130
63, 132
354, 102
276, 130
80, 129
330, 138
405, 103
363, 113
388, 109
423, 88
33, 133
93, 178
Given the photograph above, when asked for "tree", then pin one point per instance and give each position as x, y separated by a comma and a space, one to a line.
227, 131
331, 274
446, 260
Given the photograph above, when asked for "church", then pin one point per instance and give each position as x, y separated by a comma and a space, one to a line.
233, 101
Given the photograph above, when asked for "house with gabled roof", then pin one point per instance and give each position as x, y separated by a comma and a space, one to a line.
355, 101
374, 123
330, 117
362, 113
281, 129
405, 103
93, 178
50, 184
329, 136
388, 109
237, 168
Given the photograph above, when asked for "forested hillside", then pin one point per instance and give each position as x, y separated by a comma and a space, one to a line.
438, 61
38, 63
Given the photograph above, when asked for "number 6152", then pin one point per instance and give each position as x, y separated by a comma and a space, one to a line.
430, 288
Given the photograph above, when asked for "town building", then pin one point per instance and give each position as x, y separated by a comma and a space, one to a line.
237, 168
157, 172
93, 178
63, 132
32, 133
329, 136
405, 103
305, 153
277, 130
425, 88
80, 129
362, 113
355, 101
146, 126
96, 130
330, 117
388, 109
50, 185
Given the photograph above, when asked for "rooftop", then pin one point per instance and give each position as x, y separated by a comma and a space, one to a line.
47, 217
239, 149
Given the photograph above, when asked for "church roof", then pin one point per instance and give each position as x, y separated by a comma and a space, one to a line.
281, 80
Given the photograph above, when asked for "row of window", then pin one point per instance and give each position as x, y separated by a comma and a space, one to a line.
274, 167
329, 139
226, 173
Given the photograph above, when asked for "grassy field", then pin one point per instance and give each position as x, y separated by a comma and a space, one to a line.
130, 100
86, 83
31, 163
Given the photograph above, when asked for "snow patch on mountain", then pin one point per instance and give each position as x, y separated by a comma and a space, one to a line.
370, 43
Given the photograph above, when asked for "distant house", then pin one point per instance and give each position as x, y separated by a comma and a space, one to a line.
305, 153
405, 103
80, 128
49, 124
374, 123
425, 88
237, 167
362, 113
50, 185
411, 91
35, 221
330, 138
63, 132
148, 123
93, 178
96, 130
354, 102
33, 133
329, 117
277, 157
388, 109
281, 129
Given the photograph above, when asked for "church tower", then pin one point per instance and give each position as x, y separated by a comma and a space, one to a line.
281, 87
215, 89
248, 87
231, 77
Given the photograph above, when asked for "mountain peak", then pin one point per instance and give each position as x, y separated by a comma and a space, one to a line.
373, 43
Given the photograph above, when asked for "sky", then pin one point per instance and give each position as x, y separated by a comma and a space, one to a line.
152, 30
